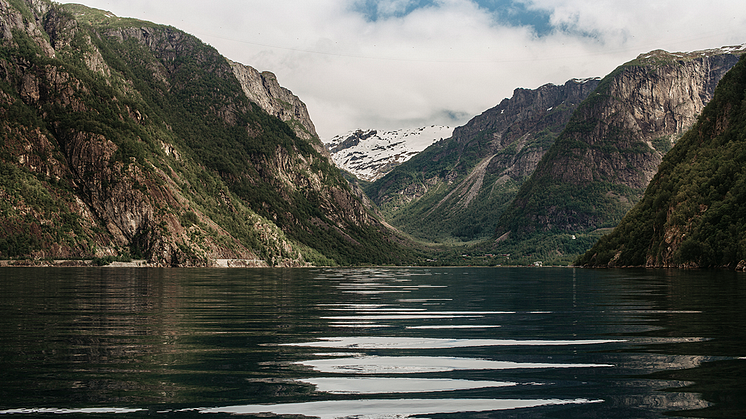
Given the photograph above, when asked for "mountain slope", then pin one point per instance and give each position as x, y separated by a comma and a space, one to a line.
264, 90
126, 138
458, 187
693, 213
371, 154
600, 165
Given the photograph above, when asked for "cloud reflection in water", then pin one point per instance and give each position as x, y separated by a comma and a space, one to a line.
377, 385
389, 408
423, 364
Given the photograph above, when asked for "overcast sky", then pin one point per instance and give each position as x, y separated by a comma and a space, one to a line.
391, 64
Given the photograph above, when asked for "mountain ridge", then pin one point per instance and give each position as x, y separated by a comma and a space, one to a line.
601, 163
692, 213
456, 188
123, 138
371, 154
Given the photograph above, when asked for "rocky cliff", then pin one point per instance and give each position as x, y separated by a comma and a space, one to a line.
122, 138
693, 212
458, 187
263, 89
601, 163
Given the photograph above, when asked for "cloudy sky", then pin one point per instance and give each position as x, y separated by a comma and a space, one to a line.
390, 64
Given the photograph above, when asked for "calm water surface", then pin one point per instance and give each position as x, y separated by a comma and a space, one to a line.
372, 343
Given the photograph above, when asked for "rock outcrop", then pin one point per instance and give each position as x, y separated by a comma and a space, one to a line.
263, 89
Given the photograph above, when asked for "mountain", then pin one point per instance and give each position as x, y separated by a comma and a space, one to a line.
609, 151
457, 188
693, 213
122, 138
264, 90
370, 154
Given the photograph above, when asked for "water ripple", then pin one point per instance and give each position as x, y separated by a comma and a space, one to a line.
392, 342
377, 385
389, 408
423, 364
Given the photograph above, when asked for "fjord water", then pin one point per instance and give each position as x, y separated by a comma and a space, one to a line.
375, 343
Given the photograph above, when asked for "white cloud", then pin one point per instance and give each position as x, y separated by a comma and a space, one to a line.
392, 7
667, 24
447, 58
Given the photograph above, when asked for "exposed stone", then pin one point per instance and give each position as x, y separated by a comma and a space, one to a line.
618, 136
500, 149
264, 90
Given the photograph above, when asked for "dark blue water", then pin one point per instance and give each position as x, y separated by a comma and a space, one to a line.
372, 343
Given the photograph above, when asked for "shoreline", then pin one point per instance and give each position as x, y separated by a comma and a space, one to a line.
219, 263
222, 264
254, 263
70, 263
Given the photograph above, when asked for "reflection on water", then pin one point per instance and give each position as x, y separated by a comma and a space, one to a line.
423, 364
60, 411
455, 326
357, 385
390, 408
401, 342
383, 342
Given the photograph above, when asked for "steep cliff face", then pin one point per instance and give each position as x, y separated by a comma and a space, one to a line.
692, 214
611, 148
125, 138
458, 187
264, 90
27, 21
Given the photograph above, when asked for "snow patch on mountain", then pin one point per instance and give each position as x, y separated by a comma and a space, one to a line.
370, 154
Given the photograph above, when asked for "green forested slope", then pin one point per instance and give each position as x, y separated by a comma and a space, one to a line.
694, 210
124, 138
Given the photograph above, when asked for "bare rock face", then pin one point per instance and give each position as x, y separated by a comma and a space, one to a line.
339, 203
525, 109
644, 104
13, 19
691, 215
264, 90
612, 146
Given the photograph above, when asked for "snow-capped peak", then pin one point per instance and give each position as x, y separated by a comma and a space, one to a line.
370, 154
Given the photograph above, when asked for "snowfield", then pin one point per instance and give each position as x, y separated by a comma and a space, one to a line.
371, 154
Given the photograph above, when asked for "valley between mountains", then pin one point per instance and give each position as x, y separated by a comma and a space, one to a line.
543, 175
125, 140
